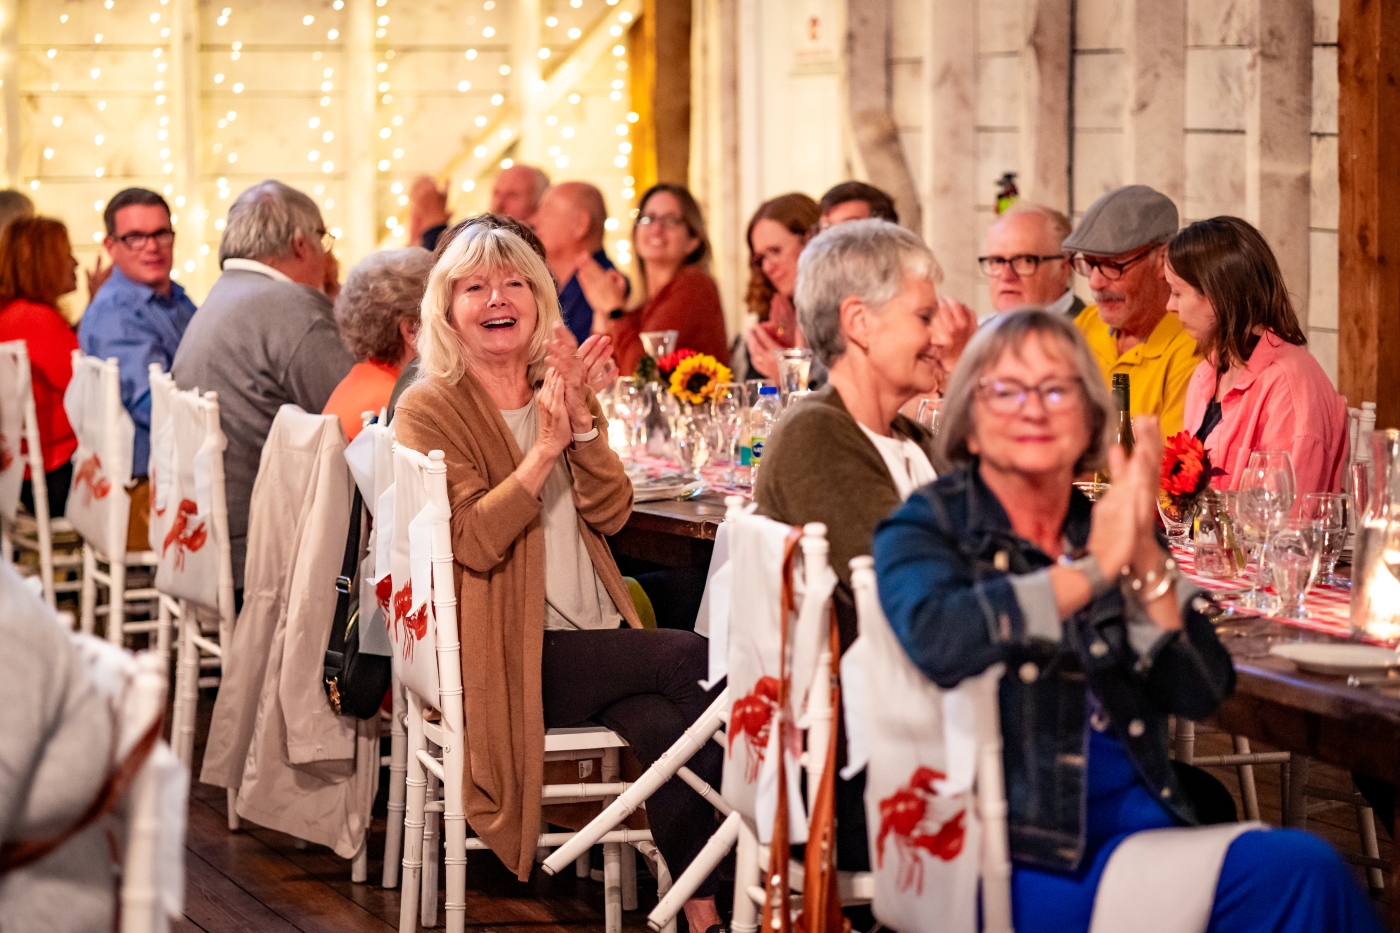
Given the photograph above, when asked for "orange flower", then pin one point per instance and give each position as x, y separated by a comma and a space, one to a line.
1185, 466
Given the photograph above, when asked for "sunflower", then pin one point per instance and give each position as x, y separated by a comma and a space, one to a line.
695, 377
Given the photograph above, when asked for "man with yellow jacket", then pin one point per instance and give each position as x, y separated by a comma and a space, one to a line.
1120, 247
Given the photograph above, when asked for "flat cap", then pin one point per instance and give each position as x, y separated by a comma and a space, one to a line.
1123, 220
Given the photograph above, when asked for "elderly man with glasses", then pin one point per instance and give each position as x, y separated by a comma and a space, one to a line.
1024, 263
266, 336
138, 316
1120, 247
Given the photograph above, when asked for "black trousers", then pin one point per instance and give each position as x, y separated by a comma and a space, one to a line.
644, 685
56, 481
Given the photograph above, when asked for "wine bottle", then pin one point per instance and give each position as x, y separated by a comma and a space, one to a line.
1122, 400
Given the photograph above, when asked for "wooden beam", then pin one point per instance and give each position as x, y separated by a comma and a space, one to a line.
186, 107
714, 140
868, 101
525, 80
9, 92
950, 144
1278, 140
1045, 68
1154, 113
1368, 66
665, 33
361, 175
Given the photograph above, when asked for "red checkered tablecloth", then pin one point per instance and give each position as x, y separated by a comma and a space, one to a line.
1326, 608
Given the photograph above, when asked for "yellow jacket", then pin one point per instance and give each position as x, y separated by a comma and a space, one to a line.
1159, 368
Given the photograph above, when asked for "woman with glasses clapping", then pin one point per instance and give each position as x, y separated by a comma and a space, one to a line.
676, 290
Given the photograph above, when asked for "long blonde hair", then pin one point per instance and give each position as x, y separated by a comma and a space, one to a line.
478, 249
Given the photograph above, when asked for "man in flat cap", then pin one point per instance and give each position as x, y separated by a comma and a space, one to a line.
1120, 247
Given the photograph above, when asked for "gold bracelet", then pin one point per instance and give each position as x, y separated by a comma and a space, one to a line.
1160, 583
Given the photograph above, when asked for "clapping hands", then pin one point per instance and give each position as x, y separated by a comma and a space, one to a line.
1124, 529
578, 368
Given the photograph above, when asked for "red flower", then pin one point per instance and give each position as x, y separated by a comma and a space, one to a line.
668, 363
1185, 466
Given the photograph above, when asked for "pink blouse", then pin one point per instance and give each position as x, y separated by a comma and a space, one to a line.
1282, 401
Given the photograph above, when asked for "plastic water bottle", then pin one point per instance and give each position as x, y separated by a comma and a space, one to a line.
761, 421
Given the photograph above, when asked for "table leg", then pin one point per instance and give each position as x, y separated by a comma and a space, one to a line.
1295, 808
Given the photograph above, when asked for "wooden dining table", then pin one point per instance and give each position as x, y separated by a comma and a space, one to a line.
1355, 727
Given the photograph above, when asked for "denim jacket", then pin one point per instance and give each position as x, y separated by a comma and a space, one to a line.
962, 592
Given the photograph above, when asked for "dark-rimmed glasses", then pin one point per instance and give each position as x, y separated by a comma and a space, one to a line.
1008, 396
1023, 264
137, 241
1108, 268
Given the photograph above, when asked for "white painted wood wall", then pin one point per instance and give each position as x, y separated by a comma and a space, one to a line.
1179, 94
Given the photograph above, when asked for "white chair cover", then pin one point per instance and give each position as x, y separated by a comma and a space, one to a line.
98, 506
160, 470
412, 627
371, 460
184, 502
14, 389
924, 831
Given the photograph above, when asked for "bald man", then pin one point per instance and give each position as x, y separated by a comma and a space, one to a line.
516, 193
569, 222
1024, 263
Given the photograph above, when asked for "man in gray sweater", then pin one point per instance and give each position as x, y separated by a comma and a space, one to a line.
265, 336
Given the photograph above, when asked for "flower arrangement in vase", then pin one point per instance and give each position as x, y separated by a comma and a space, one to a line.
1186, 474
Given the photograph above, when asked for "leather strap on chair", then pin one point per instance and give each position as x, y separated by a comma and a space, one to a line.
821, 903
16, 855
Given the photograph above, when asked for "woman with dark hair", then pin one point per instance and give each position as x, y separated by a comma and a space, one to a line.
36, 269
676, 290
777, 232
1258, 387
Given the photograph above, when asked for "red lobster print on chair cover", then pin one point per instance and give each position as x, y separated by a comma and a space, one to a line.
188, 532
905, 816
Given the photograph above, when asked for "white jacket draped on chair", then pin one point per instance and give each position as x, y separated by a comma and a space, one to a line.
299, 767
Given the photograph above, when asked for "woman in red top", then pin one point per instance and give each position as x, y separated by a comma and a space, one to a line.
377, 314
37, 268
676, 290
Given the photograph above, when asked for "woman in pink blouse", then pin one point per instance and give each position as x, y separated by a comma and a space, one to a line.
1258, 387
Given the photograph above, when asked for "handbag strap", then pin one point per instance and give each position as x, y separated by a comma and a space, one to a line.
347, 576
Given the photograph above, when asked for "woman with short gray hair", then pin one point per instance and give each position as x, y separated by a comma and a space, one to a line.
844, 456
377, 313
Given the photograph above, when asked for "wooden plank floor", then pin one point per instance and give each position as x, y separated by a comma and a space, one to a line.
259, 880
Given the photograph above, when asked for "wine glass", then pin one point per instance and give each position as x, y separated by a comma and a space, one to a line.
1294, 556
794, 370
631, 402
927, 414
1332, 512
727, 410
1264, 501
1177, 519
691, 442
659, 343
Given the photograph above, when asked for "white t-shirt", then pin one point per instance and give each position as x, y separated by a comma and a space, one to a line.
909, 466
574, 595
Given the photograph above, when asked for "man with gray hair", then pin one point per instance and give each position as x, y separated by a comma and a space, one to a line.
1024, 262
1120, 246
569, 223
266, 335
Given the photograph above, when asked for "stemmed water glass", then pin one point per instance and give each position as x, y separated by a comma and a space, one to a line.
727, 409
927, 414
1332, 512
632, 404
1294, 556
1265, 498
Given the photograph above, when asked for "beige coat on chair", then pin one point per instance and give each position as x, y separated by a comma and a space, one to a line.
299, 767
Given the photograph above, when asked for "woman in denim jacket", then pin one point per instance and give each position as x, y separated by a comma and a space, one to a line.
1003, 561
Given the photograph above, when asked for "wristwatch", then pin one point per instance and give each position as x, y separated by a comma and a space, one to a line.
616, 313
1089, 566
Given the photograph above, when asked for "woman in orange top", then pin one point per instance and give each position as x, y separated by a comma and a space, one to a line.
37, 268
676, 290
377, 313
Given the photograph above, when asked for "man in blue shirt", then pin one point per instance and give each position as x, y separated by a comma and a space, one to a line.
138, 316
570, 223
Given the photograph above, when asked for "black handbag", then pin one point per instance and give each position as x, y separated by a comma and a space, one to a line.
355, 682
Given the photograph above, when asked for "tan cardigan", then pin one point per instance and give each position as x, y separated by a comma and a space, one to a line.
498, 544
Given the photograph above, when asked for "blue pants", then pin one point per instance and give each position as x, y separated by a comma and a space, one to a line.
1275, 881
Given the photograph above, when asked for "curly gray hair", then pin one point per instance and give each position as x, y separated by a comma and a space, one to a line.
866, 258
382, 289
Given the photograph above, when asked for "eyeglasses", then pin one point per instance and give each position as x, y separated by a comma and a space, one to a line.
1113, 271
327, 240
1023, 264
664, 221
138, 241
1007, 396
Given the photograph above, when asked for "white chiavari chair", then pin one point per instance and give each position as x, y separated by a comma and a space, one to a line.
99, 507
189, 516
20, 448
431, 675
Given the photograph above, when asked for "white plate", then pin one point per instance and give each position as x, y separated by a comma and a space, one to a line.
655, 491
1337, 658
